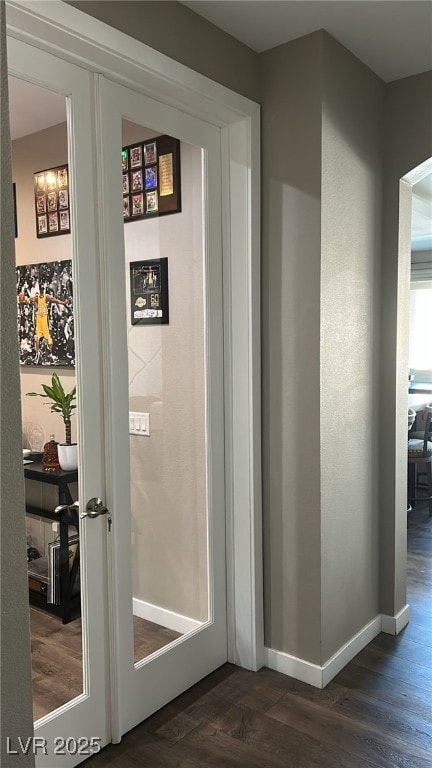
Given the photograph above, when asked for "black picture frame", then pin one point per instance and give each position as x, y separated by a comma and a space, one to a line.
54, 278
149, 294
15, 209
52, 201
151, 178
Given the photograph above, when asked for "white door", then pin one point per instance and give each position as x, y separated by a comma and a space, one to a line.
159, 575
81, 725
166, 489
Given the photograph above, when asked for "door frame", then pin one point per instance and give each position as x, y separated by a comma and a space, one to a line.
399, 610
73, 35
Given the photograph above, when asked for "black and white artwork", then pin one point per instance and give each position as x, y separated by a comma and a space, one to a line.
45, 313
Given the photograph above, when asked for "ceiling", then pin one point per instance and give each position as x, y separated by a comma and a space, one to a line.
393, 37
32, 108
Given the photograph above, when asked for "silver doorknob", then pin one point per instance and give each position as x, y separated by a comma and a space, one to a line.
94, 508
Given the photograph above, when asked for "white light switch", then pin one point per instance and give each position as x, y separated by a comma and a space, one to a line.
139, 424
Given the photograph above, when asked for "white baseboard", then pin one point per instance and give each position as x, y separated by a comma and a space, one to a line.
164, 617
344, 655
320, 676
293, 667
392, 625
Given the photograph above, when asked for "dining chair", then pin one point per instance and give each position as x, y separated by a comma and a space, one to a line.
420, 455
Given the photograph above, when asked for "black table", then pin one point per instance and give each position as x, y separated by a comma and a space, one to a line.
70, 604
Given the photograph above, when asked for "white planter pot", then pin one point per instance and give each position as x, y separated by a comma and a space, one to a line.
68, 456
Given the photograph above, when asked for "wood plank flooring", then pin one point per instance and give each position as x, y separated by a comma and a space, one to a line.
57, 656
376, 713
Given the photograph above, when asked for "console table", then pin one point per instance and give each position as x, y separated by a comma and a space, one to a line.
70, 605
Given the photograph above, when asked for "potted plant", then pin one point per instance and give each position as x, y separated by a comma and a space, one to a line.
64, 403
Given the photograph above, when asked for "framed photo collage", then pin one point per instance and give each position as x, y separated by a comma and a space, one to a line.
51, 190
151, 178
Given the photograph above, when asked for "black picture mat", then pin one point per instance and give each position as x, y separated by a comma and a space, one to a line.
149, 292
62, 230
57, 279
165, 145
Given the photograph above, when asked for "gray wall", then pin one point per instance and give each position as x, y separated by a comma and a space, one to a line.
408, 143
322, 181
291, 254
16, 719
350, 270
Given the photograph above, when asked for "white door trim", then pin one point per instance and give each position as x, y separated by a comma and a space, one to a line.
63, 30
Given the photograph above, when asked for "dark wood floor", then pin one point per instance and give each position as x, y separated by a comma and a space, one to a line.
57, 656
377, 712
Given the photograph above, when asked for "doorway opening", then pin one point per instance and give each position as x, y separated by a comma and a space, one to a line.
416, 210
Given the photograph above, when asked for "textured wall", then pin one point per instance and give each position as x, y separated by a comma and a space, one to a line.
291, 255
350, 285
16, 719
322, 128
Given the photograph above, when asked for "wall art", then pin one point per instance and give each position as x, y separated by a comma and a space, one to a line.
45, 313
51, 190
151, 178
149, 292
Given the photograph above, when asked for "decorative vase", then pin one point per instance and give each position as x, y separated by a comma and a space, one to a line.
68, 456
50, 459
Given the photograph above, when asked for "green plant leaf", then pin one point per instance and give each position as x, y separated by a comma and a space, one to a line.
60, 401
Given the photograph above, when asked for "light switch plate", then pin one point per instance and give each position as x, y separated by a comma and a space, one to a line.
139, 423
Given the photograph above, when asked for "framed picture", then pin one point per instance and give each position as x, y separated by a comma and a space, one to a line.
151, 202
151, 177
63, 199
51, 189
45, 310
137, 180
150, 153
149, 292
135, 154
52, 204
64, 220
137, 205
41, 203
40, 183
53, 224
154, 168
42, 225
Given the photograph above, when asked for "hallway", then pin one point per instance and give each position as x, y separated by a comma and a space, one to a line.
376, 712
